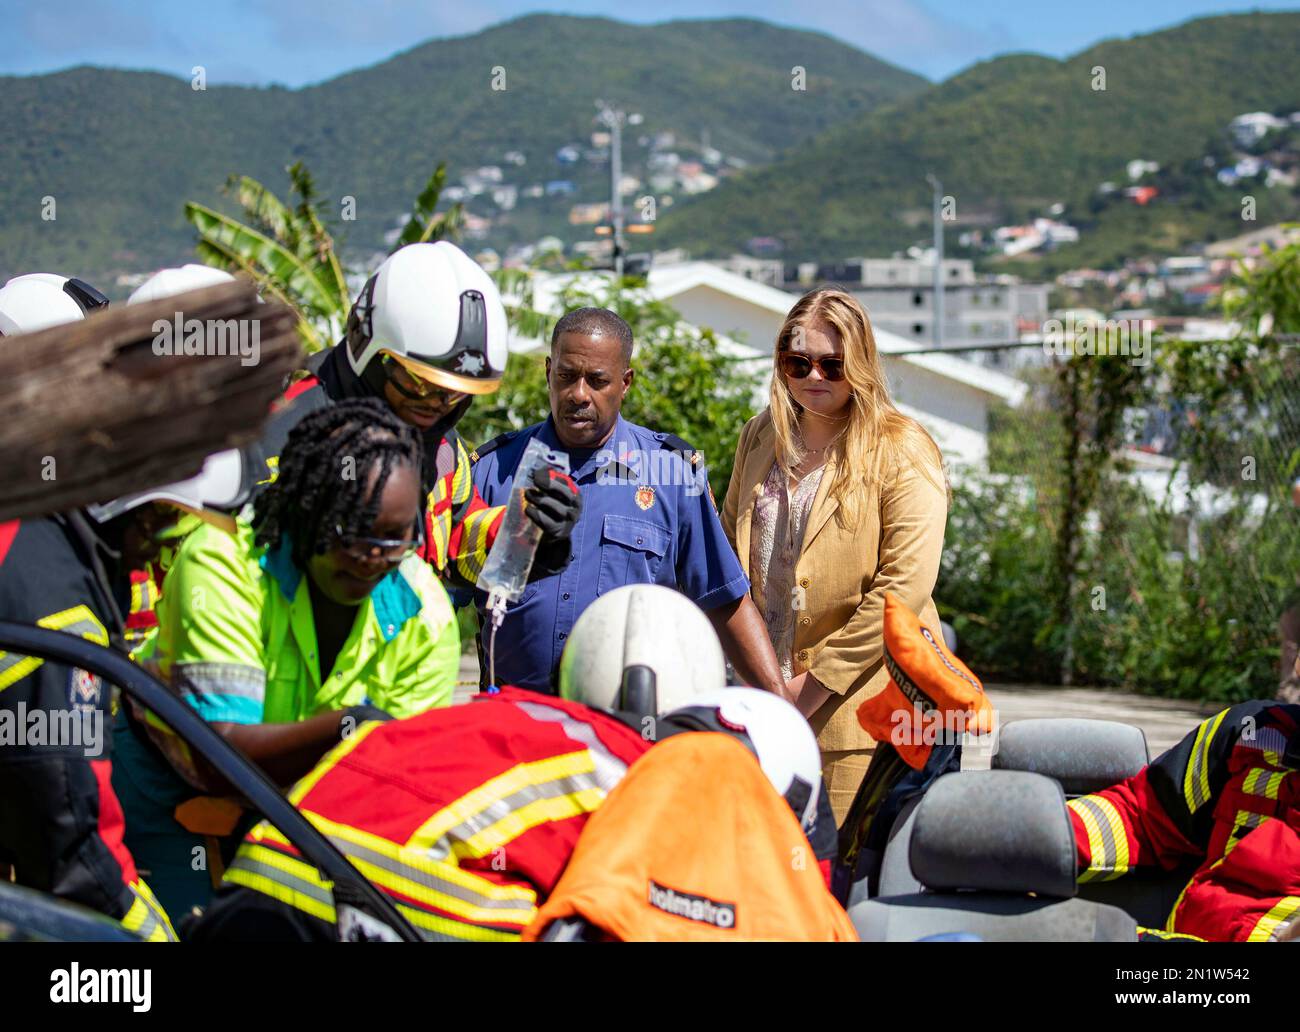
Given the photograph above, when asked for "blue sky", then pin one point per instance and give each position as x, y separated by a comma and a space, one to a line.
301, 41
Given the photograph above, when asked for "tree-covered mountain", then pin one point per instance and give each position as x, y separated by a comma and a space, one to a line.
1008, 138
120, 151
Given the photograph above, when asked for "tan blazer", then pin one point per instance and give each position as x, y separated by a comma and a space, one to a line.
845, 572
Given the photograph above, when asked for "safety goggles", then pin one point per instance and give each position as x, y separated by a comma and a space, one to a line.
387, 550
798, 367
410, 386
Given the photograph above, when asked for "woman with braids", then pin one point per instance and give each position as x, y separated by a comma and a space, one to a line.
314, 617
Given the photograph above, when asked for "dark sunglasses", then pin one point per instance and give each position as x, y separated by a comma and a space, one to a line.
389, 550
797, 367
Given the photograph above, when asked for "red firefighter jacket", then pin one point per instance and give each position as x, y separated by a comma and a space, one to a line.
465, 816
1228, 796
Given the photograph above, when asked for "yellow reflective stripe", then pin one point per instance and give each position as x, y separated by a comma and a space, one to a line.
146, 917
1107, 839
309, 780
299, 885
1244, 819
1173, 912
1283, 911
441, 536
473, 554
14, 667
1170, 936
1261, 781
283, 878
349, 840
344, 834
505, 784
445, 927
79, 620
394, 882
143, 596
1196, 779
555, 808
461, 483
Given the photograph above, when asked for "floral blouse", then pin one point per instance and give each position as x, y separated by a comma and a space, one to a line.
780, 518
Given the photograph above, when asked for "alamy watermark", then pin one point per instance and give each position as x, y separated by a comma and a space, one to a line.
77, 728
1129, 338
222, 338
658, 468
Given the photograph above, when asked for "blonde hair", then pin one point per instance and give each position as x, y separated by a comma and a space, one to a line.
878, 435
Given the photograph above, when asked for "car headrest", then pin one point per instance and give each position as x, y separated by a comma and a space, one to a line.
994, 830
1083, 755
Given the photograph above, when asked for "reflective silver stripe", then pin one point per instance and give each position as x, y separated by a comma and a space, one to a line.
235, 679
148, 926
428, 880
1251, 820
90, 629
1099, 817
609, 768
1266, 739
274, 874
499, 809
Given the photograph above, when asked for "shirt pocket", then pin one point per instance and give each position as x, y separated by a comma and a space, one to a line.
631, 552
286, 689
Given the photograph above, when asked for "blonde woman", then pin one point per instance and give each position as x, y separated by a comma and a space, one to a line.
836, 498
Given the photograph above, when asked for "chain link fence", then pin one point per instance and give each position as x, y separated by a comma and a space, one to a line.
1135, 522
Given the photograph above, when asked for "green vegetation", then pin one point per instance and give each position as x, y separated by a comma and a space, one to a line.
291, 255
1141, 596
1012, 136
121, 151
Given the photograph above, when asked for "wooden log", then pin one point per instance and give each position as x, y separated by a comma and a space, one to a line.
134, 397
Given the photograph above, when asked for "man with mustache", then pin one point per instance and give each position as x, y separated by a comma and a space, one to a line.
647, 516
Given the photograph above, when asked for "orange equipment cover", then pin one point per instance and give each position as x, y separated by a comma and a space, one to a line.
695, 845
930, 691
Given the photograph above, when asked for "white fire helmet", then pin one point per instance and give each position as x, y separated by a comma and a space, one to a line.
433, 309
169, 282
40, 300
642, 648
211, 494
785, 744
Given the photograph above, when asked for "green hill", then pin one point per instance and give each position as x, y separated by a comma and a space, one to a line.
1007, 137
121, 151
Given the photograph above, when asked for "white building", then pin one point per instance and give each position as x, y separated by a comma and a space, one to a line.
950, 396
1250, 128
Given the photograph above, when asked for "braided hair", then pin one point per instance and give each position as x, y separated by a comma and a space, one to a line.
325, 470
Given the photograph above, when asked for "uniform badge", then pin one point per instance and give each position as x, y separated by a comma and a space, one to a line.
645, 497
84, 690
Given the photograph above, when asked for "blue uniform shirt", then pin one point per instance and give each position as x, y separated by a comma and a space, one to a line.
647, 518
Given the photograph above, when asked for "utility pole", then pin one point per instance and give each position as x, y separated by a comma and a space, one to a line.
614, 119
938, 259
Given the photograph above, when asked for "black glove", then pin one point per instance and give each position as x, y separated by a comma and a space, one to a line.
354, 716
554, 505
